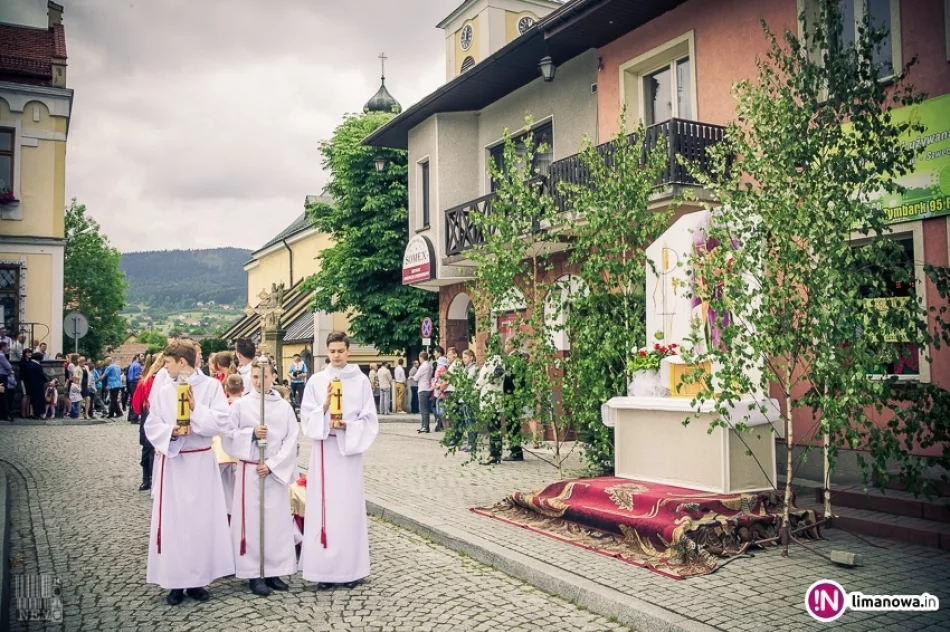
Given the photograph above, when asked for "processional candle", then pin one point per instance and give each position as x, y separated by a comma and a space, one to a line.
336, 403
183, 416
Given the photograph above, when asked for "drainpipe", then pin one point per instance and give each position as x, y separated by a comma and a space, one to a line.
290, 254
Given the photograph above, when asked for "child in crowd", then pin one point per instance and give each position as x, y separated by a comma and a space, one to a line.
52, 396
75, 396
227, 464
234, 387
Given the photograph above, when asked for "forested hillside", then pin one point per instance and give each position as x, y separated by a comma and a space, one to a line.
182, 278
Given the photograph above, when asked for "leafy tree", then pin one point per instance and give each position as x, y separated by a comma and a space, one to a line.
213, 345
605, 317
155, 340
368, 221
93, 283
513, 275
814, 146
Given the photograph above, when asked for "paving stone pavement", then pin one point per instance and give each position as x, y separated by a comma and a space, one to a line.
77, 515
407, 472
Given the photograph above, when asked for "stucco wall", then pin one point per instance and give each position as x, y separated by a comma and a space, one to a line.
567, 99
728, 38
42, 168
423, 143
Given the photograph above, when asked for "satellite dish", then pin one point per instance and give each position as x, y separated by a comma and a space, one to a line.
75, 325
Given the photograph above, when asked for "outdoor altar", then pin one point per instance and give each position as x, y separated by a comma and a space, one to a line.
651, 442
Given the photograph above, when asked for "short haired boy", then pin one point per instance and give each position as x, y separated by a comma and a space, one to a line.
335, 548
189, 540
276, 473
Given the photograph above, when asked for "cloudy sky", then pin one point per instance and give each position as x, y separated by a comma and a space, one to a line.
196, 123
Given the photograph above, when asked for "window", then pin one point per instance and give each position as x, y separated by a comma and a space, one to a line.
6, 158
667, 93
10, 297
881, 14
467, 63
660, 84
424, 191
905, 359
543, 140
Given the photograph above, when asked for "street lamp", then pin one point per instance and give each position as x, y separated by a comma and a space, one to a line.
381, 163
547, 68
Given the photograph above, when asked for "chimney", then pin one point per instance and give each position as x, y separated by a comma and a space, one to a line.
55, 12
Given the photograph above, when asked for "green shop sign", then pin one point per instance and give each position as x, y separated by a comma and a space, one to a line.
927, 189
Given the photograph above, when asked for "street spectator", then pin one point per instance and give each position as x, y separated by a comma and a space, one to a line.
490, 385
466, 426
99, 394
16, 349
423, 380
374, 383
5, 338
6, 386
113, 381
399, 379
132, 377
139, 404
34, 380
52, 396
413, 388
385, 380
299, 371
75, 398
438, 386
41, 354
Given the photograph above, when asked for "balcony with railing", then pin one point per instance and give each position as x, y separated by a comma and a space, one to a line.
688, 139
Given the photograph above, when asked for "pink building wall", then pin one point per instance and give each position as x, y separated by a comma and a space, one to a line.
728, 39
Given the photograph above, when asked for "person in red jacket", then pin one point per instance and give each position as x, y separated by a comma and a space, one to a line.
140, 408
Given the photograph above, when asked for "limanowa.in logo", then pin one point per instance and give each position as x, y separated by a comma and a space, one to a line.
826, 600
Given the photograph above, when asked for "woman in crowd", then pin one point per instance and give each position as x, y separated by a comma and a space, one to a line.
139, 406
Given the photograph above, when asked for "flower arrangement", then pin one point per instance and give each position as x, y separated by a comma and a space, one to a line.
649, 360
6, 196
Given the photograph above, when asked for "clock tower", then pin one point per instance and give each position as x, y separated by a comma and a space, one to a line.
478, 28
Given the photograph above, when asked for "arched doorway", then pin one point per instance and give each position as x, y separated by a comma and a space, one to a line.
460, 323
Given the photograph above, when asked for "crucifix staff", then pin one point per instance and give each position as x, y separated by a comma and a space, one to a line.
264, 365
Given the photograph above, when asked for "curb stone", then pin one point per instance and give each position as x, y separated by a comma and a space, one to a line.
4, 550
552, 579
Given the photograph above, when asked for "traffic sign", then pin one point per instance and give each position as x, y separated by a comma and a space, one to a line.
75, 325
426, 327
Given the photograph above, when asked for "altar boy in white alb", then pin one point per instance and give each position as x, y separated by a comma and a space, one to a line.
335, 548
279, 429
189, 541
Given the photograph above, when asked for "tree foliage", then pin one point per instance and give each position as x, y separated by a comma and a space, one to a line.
606, 313
368, 221
813, 147
155, 340
93, 282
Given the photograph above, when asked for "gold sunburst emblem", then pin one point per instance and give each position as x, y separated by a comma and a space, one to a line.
622, 495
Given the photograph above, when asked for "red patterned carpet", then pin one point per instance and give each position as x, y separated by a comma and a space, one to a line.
673, 531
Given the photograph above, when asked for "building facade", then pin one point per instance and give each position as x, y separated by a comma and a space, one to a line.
289, 259
670, 65
35, 111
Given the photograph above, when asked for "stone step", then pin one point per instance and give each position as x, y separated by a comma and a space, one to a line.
899, 503
929, 533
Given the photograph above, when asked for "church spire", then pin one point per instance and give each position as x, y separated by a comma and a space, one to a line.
382, 101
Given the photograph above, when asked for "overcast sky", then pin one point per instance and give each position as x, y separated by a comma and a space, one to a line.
196, 123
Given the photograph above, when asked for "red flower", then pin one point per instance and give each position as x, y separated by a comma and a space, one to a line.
657, 346
643, 354
673, 346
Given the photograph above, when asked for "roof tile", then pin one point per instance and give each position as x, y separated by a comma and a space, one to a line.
29, 50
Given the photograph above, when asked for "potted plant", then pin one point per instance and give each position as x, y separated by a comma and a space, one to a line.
6, 196
644, 367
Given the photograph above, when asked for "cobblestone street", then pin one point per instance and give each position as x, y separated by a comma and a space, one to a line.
77, 516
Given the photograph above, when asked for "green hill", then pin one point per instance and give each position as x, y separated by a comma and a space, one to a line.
178, 279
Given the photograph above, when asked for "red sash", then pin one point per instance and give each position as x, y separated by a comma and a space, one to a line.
161, 495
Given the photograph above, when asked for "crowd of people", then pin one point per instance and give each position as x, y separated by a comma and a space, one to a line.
82, 389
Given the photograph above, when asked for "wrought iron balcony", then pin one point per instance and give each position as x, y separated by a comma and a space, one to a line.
688, 139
